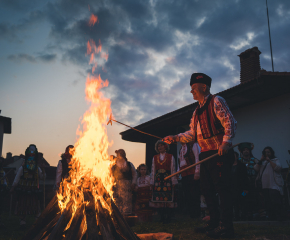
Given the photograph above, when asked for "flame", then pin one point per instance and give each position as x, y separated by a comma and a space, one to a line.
90, 164
94, 19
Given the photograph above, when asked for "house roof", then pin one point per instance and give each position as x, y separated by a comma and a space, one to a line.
265, 86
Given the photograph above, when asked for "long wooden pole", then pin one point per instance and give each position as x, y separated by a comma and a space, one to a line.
111, 119
193, 165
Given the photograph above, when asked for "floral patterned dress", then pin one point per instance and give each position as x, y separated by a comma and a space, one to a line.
163, 195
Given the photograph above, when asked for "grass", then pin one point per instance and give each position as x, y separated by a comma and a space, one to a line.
12, 229
181, 227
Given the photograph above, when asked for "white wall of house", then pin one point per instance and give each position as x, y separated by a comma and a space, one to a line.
266, 123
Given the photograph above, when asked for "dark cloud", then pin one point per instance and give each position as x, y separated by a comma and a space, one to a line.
19, 58
47, 57
22, 57
154, 46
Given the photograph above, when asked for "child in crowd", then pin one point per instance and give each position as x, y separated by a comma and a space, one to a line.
144, 194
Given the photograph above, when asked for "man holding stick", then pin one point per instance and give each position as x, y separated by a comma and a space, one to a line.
212, 126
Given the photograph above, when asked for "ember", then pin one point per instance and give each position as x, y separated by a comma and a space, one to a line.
83, 207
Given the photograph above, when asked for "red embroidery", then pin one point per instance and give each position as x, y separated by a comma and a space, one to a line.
198, 77
219, 164
220, 174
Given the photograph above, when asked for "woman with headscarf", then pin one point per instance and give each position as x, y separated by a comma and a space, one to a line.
26, 183
163, 165
63, 165
126, 179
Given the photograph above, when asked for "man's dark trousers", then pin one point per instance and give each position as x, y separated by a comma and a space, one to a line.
215, 178
191, 190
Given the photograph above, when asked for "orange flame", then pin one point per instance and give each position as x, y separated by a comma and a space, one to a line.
90, 163
93, 20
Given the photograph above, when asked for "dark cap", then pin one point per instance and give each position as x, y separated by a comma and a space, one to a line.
244, 145
200, 78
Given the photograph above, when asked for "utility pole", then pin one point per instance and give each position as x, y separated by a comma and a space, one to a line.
270, 36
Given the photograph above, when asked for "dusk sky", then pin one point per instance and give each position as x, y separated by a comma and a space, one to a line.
153, 47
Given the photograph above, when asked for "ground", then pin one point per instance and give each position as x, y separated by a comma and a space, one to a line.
181, 226
182, 229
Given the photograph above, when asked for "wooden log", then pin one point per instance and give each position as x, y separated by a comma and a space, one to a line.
57, 232
105, 228
44, 232
45, 218
75, 231
121, 225
92, 227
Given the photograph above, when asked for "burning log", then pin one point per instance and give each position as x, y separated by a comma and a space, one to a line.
121, 225
99, 224
105, 227
75, 230
45, 232
92, 230
57, 232
44, 219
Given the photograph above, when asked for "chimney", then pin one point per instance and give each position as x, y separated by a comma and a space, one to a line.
250, 64
8, 155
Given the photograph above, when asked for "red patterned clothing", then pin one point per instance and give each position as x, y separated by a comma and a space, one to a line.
144, 194
163, 193
188, 155
143, 181
220, 131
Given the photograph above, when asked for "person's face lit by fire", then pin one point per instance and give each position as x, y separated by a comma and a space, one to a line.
246, 152
161, 148
199, 91
143, 171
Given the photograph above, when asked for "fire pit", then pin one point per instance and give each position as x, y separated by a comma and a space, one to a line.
90, 221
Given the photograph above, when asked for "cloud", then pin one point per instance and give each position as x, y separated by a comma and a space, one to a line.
19, 58
22, 57
155, 46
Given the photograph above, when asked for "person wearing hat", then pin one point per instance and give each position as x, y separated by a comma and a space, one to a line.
126, 180
163, 198
26, 183
251, 199
213, 126
63, 166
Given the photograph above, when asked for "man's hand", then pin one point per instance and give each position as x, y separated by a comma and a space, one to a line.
171, 139
196, 176
223, 149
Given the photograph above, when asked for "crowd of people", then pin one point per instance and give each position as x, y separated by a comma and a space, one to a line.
231, 185
256, 185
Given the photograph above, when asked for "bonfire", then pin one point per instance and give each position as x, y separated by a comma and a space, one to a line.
84, 207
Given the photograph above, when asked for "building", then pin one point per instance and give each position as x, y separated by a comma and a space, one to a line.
5, 127
260, 103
